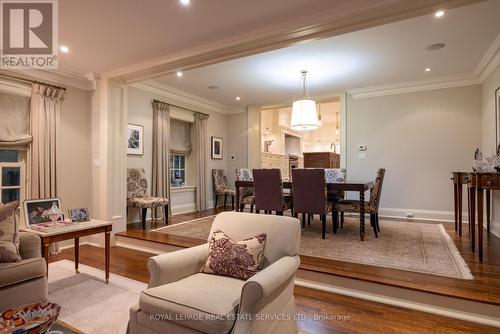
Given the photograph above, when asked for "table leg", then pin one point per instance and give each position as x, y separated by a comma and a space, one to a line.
362, 215
468, 209
107, 251
459, 208
45, 254
455, 203
237, 199
488, 209
480, 208
472, 222
77, 254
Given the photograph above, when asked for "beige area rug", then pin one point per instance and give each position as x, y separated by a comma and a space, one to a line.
418, 247
87, 302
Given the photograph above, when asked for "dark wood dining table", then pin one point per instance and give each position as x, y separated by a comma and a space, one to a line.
357, 186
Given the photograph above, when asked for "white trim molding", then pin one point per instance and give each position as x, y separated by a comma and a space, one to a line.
490, 60
60, 77
184, 99
414, 86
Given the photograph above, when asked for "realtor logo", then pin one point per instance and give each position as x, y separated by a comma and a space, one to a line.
28, 34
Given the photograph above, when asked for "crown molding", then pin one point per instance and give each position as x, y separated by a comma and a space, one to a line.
60, 77
184, 99
414, 86
490, 60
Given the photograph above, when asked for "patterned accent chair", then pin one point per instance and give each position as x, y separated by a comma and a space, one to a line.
138, 197
246, 194
371, 206
335, 175
221, 188
194, 302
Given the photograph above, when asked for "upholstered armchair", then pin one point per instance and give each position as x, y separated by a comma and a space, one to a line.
221, 188
180, 299
246, 194
138, 196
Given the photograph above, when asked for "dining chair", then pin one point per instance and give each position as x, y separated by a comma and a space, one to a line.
335, 175
221, 188
310, 195
138, 195
246, 193
268, 189
371, 207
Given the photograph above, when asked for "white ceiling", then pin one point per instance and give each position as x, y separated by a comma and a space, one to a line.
105, 35
386, 54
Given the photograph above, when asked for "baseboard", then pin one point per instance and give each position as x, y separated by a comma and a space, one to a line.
184, 208
419, 214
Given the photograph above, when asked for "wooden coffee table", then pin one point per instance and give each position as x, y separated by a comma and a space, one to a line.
75, 232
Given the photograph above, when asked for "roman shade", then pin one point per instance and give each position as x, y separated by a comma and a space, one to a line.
14, 120
180, 137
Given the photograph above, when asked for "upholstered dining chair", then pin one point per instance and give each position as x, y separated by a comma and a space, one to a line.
246, 194
310, 195
138, 196
371, 207
268, 188
221, 188
335, 175
181, 299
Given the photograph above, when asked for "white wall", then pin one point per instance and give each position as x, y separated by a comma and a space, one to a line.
420, 138
140, 112
237, 144
488, 87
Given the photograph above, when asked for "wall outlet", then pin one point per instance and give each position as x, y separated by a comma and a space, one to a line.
362, 148
409, 215
361, 155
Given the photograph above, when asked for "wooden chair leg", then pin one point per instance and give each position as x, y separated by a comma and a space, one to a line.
303, 220
342, 220
166, 214
373, 223
279, 213
232, 202
143, 221
257, 211
335, 221
251, 208
242, 207
323, 226
225, 201
376, 221
309, 220
216, 199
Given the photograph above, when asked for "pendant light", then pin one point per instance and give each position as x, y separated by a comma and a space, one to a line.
304, 114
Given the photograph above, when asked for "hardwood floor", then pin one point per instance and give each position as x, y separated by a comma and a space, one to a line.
485, 287
318, 312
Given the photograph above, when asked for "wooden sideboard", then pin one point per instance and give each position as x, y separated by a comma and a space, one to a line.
321, 160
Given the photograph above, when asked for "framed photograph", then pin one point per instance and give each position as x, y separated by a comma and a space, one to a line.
35, 210
79, 215
135, 139
216, 148
497, 117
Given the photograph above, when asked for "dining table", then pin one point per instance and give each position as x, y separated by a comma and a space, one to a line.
355, 186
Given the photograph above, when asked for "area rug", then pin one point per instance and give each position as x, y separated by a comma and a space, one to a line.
418, 247
87, 303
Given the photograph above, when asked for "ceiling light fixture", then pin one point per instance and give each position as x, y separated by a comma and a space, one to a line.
179, 74
64, 49
435, 46
439, 13
304, 114
238, 98
428, 69
185, 2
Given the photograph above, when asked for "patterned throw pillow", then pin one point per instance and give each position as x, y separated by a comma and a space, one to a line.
241, 259
9, 233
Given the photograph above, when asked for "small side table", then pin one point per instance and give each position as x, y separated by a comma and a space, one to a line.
75, 232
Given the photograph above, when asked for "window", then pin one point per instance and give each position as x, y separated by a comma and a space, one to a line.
177, 170
12, 178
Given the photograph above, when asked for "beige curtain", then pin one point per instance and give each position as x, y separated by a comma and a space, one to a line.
45, 115
200, 125
161, 154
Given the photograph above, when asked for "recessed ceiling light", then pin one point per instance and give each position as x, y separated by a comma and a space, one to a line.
64, 48
428, 69
185, 2
439, 13
179, 74
238, 98
213, 87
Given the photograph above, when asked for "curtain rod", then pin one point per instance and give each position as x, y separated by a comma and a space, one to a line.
32, 81
174, 105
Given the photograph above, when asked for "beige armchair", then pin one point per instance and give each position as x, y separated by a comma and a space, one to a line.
24, 282
180, 299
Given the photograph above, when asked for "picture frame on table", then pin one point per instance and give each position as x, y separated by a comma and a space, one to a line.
79, 215
135, 139
35, 211
216, 151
